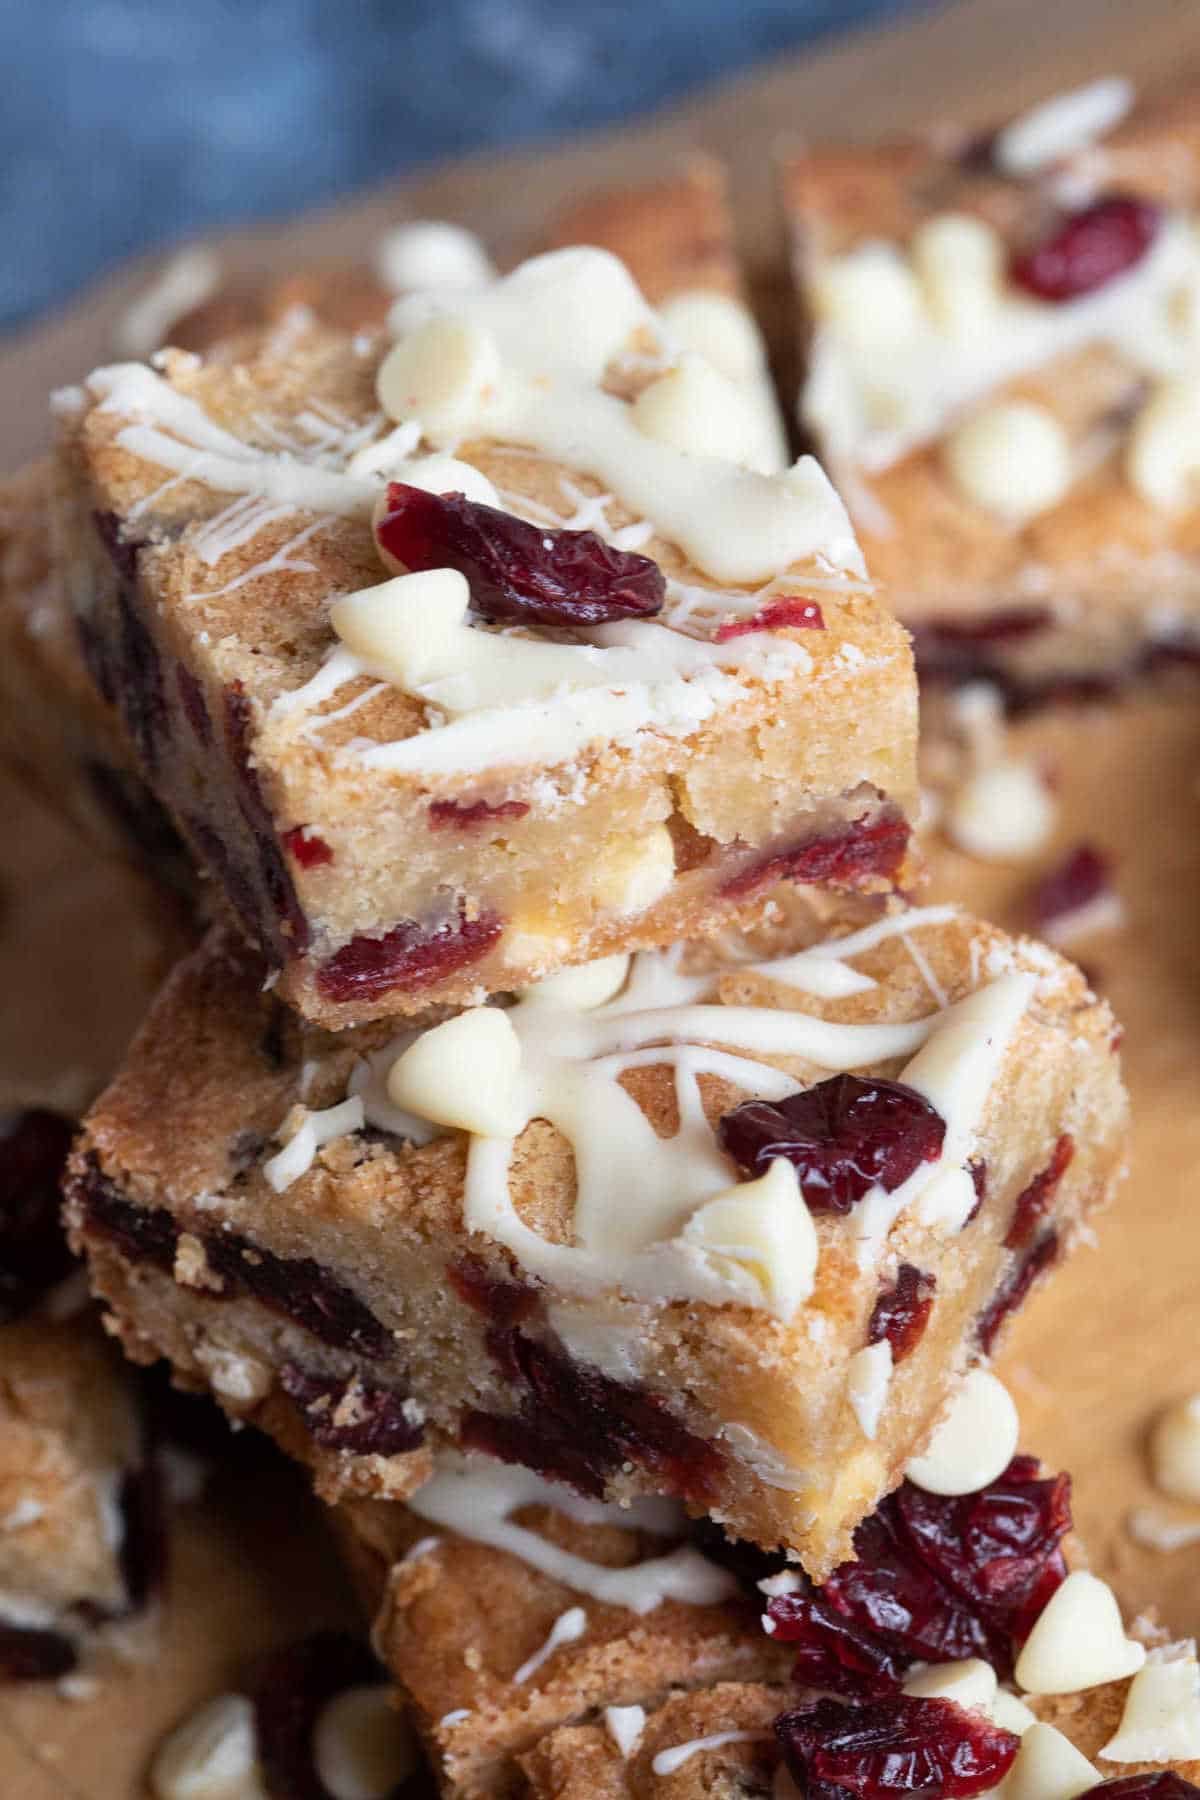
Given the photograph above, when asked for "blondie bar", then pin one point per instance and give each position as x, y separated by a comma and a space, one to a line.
624, 683
1003, 374
80, 1524
725, 1223
965, 1628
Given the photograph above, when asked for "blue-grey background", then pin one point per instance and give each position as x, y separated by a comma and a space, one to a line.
127, 123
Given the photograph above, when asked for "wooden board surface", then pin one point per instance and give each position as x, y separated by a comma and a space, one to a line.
1116, 1335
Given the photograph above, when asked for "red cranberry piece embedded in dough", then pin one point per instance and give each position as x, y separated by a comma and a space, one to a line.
140, 1233
191, 698
352, 1415
791, 612
292, 1688
833, 1653
501, 1301
901, 1314
1084, 875
1014, 1290
307, 846
578, 1425
894, 1746
302, 1290
842, 858
456, 815
1088, 249
842, 1136
516, 571
1158, 1784
1035, 1201
33, 1249
407, 956
30, 1655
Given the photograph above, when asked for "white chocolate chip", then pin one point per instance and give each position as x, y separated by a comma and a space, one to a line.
1012, 459
765, 1228
1078, 1640
948, 1201
1161, 1720
959, 262
212, 1756
970, 1683
1175, 1450
363, 1747
870, 297
1048, 1767
631, 874
431, 253
443, 374
1011, 1714
975, 1441
1062, 125
440, 474
694, 407
716, 325
625, 1725
1002, 812
242, 1380
1162, 459
463, 1073
868, 1379
408, 628
583, 987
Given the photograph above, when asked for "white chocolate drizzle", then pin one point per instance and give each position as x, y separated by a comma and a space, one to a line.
668, 1761
639, 1215
477, 1498
568, 1628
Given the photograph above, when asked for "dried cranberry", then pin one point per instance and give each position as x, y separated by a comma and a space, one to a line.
300, 1289
1083, 876
33, 1250
935, 1579
144, 1535
1157, 1784
1013, 1290
977, 1169
1087, 249
141, 1233
517, 571
793, 612
229, 873
28, 1655
191, 698
292, 1688
307, 846
276, 876
407, 956
503, 1302
894, 1746
578, 1426
840, 859
374, 1421
143, 705
1035, 1201
843, 1136
454, 815
901, 1313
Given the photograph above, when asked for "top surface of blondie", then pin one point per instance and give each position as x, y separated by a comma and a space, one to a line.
252, 487
1054, 266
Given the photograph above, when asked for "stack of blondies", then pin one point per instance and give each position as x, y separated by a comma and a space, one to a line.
571, 1136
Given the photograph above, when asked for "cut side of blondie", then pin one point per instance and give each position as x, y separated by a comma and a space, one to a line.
1003, 374
725, 1222
623, 682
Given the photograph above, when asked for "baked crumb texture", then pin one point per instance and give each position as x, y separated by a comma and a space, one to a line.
1002, 342
516, 1231
80, 1520
426, 822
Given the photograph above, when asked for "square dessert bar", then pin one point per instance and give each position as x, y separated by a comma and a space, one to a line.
533, 1644
572, 1608
644, 682
1003, 375
57, 733
725, 1223
80, 1506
